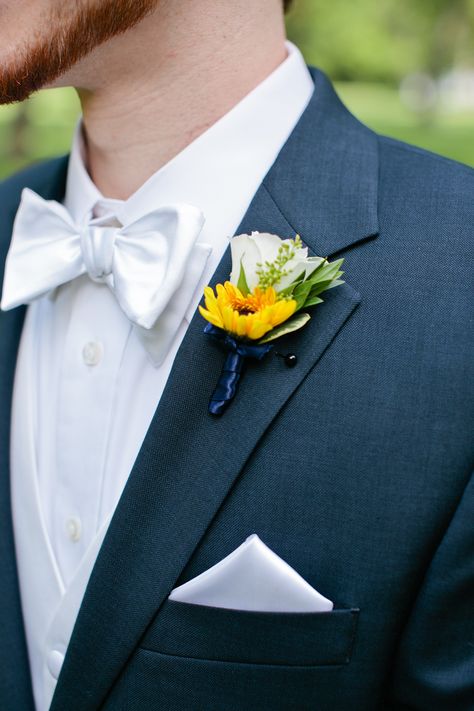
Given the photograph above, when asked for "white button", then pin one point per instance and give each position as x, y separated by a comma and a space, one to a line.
54, 662
74, 528
92, 353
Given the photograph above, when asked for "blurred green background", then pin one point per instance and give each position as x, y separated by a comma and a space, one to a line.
404, 67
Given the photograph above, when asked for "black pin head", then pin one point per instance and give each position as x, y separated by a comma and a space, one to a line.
290, 359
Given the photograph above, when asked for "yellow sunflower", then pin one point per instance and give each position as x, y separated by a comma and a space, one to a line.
250, 316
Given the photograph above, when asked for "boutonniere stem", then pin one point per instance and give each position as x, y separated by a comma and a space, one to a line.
237, 353
272, 282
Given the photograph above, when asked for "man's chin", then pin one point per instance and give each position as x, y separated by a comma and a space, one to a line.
18, 83
13, 94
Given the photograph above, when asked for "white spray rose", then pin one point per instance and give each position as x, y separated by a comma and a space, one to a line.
253, 251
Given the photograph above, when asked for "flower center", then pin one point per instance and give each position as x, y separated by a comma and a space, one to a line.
245, 306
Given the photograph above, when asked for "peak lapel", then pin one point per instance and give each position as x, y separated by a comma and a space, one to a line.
325, 180
15, 684
190, 460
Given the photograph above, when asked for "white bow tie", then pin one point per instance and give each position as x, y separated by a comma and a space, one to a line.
145, 264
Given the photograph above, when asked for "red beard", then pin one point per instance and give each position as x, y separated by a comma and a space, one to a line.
73, 35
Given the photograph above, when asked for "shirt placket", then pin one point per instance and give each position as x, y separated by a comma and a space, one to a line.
96, 338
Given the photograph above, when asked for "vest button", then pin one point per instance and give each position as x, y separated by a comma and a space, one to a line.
74, 528
92, 353
54, 662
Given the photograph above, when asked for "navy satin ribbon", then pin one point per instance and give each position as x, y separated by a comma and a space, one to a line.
237, 352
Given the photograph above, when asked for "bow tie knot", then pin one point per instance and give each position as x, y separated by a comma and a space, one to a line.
97, 247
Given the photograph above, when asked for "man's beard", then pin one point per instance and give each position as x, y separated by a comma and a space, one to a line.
72, 33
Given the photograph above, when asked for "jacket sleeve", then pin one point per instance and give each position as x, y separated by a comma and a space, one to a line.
434, 666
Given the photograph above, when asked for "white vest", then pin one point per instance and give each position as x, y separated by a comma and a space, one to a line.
49, 607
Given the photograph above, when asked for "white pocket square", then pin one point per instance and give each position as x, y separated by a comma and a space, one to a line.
252, 577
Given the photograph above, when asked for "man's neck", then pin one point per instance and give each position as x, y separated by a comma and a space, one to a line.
153, 90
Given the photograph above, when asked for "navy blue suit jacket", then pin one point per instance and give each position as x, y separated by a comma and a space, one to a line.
354, 466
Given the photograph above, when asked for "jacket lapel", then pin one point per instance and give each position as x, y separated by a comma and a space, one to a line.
323, 186
15, 684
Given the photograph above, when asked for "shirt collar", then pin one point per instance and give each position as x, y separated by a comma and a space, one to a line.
215, 163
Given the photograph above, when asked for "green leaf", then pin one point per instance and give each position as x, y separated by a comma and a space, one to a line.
329, 269
319, 288
301, 293
288, 290
323, 286
315, 274
298, 279
326, 273
293, 324
336, 282
242, 283
312, 301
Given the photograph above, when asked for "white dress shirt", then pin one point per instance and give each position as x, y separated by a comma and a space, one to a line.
94, 384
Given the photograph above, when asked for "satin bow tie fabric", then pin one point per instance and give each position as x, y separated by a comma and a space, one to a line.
144, 263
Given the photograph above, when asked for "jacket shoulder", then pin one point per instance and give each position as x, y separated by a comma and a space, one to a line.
426, 195
37, 177
417, 167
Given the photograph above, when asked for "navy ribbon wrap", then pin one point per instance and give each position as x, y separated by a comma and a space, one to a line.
237, 353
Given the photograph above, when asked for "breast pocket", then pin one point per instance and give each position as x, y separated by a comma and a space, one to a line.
198, 658
282, 638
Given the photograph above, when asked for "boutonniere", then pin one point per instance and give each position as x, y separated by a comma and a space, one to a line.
272, 283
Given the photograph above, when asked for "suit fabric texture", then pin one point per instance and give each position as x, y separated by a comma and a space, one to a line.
354, 466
